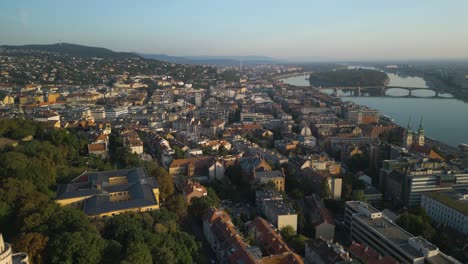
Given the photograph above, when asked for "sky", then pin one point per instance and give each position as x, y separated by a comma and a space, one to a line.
295, 30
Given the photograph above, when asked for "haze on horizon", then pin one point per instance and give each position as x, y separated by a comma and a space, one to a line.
296, 30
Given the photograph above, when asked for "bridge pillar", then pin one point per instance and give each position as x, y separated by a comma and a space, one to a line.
357, 91
436, 93
382, 91
410, 92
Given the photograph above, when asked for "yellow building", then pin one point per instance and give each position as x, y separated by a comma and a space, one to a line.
8, 100
109, 193
275, 176
52, 97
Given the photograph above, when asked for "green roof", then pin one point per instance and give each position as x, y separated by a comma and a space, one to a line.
447, 199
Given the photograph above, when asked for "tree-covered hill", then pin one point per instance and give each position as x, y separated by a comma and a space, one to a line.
34, 223
75, 50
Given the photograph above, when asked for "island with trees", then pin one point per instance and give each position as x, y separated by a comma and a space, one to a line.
349, 78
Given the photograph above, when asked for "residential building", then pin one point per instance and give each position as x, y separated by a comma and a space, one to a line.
98, 113
115, 112
98, 149
367, 255
230, 247
320, 217
321, 179
249, 165
361, 115
132, 140
275, 176
368, 226
225, 240
319, 162
271, 243
45, 116
108, 193
321, 251
276, 210
193, 190
99, 146
448, 207
191, 167
216, 171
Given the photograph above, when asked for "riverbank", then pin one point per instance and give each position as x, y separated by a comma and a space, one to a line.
444, 119
437, 84
289, 75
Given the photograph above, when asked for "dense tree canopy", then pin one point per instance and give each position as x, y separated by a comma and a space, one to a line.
417, 223
49, 233
352, 77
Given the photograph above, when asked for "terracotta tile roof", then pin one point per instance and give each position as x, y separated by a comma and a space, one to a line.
426, 151
101, 137
369, 256
232, 243
273, 243
194, 188
197, 161
96, 147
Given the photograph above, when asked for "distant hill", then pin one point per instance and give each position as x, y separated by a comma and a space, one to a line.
214, 60
75, 50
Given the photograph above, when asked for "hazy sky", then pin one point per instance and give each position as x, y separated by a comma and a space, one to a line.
338, 29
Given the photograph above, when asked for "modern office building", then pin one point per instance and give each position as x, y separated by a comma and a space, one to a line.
407, 187
367, 225
448, 207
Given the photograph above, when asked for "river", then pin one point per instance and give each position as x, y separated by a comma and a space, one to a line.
444, 119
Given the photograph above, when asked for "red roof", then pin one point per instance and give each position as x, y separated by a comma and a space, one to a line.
96, 147
368, 255
194, 187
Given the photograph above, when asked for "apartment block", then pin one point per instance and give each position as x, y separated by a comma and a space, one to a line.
370, 227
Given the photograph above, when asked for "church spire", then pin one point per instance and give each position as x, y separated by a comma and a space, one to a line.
408, 127
421, 128
421, 136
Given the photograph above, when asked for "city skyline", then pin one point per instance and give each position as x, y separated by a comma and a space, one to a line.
299, 30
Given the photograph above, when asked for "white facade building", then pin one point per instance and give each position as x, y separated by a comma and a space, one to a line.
116, 112
449, 208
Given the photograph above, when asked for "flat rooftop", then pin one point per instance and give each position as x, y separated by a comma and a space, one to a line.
280, 207
392, 232
357, 204
453, 199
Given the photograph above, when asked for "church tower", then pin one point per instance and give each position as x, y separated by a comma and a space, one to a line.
408, 138
421, 133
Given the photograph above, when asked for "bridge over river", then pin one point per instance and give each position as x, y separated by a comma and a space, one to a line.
378, 91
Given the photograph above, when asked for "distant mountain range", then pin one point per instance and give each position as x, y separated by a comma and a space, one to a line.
86, 51
75, 50
214, 60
